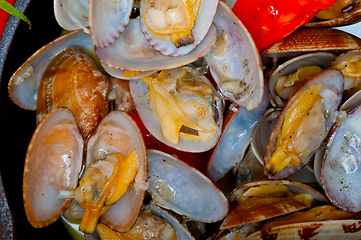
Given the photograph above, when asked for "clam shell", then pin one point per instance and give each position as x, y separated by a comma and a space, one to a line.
332, 81
260, 209
131, 51
321, 59
340, 171
314, 39
202, 25
120, 73
108, 19
180, 188
51, 164
235, 138
235, 58
181, 230
139, 91
72, 15
323, 230
117, 132
75, 82
347, 18
24, 84
271, 207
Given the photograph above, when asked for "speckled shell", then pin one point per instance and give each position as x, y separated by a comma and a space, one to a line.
51, 164
340, 171
332, 81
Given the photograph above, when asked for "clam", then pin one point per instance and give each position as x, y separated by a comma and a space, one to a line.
234, 61
153, 222
235, 138
72, 15
314, 40
73, 80
265, 199
24, 84
132, 52
179, 108
292, 74
349, 64
177, 187
175, 28
297, 135
53, 163
337, 229
108, 19
341, 13
340, 167
118, 133
322, 221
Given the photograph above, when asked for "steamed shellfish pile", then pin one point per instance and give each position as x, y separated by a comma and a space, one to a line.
191, 75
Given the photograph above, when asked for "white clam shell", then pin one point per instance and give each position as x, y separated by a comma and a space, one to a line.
119, 133
321, 59
51, 165
72, 14
108, 19
131, 51
24, 84
235, 58
235, 140
177, 187
139, 91
201, 27
341, 167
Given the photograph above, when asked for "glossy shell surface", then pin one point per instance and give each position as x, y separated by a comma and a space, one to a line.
177, 187
53, 162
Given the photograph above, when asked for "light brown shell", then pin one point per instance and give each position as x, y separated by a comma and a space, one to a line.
314, 39
73, 80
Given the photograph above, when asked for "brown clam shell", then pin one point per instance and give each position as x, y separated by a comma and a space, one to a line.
73, 80
259, 209
314, 39
348, 18
338, 229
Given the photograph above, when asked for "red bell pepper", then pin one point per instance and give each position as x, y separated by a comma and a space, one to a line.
268, 21
4, 17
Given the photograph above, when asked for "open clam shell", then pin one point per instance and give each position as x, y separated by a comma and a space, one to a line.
24, 84
330, 84
117, 132
320, 59
234, 61
235, 138
349, 12
323, 230
259, 209
72, 15
108, 19
177, 187
51, 164
200, 28
131, 51
340, 171
150, 119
